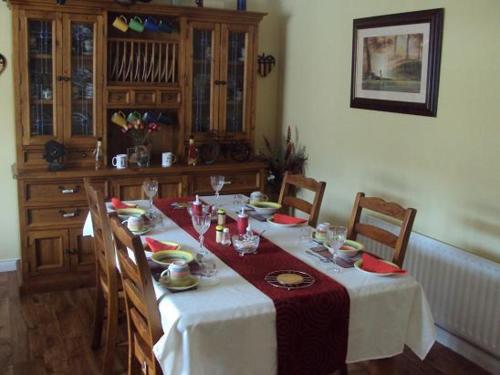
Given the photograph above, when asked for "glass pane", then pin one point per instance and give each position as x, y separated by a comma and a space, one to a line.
82, 79
41, 88
202, 68
235, 81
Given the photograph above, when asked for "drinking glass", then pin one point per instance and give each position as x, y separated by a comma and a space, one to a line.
201, 223
335, 238
150, 189
217, 183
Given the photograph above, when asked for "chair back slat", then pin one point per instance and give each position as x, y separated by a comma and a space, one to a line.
103, 239
143, 316
288, 200
393, 210
377, 234
381, 206
297, 203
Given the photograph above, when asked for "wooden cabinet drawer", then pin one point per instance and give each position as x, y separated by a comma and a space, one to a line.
55, 216
118, 97
144, 97
236, 183
61, 191
169, 99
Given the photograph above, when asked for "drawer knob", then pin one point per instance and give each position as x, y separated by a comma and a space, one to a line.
65, 190
68, 215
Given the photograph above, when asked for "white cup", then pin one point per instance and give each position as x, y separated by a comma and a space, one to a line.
135, 223
167, 159
120, 161
257, 196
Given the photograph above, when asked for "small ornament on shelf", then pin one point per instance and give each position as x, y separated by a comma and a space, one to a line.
192, 156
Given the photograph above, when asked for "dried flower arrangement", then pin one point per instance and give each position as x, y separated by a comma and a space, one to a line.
292, 158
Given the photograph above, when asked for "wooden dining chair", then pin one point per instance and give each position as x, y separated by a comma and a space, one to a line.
143, 316
108, 283
390, 209
287, 198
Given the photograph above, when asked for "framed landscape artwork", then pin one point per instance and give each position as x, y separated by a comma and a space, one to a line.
395, 62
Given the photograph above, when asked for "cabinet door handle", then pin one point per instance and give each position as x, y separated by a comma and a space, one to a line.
63, 78
65, 190
68, 215
227, 182
218, 82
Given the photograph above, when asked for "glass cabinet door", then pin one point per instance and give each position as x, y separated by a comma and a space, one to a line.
39, 31
204, 46
80, 72
235, 72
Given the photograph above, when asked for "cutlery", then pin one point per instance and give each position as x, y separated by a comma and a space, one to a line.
321, 258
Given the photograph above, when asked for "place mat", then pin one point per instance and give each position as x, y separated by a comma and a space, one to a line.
311, 323
342, 261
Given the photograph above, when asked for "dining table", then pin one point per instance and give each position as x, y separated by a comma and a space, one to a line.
230, 326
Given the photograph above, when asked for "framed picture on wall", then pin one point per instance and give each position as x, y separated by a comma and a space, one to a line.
395, 62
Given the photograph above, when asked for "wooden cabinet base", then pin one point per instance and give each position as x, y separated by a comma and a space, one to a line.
61, 281
53, 207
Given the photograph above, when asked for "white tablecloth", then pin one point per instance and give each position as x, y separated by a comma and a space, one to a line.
229, 328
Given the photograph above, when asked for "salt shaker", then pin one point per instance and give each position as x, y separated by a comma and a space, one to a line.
226, 237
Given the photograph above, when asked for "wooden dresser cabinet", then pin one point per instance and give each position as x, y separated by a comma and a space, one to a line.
73, 70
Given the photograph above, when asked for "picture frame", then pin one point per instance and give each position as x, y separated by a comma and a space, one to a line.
396, 62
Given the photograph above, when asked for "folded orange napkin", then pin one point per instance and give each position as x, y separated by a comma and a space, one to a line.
285, 219
117, 204
373, 264
156, 245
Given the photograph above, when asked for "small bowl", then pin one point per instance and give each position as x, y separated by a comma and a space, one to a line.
244, 245
350, 248
265, 208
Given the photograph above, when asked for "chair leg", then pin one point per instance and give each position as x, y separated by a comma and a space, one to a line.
343, 370
111, 336
98, 316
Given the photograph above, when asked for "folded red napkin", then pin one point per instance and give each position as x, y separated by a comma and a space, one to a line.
156, 245
117, 204
373, 264
285, 219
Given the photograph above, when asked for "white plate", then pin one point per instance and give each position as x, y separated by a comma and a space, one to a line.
144, 231
180, 288
270, 220
359, 262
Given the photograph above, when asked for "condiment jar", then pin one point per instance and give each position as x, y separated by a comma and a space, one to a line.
221, 216
242, 222
218, 233
226, 237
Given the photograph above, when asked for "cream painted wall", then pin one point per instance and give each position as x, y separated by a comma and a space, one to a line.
447, 167
9, 222
266, 120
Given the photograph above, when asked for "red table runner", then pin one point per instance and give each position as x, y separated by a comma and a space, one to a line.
311, 323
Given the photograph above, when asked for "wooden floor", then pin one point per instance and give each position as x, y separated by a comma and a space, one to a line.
50, 334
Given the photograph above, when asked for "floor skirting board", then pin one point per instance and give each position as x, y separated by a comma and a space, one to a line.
8, 265
469, 351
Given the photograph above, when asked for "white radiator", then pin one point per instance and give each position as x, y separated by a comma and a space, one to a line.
463, 289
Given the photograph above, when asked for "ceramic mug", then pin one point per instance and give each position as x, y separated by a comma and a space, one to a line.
150, 24
167, 159
135, 223
136, 24
134, 117
257, 196
120, 161
120, 23
119, 119
46, 94
319, 233
88, 45
165, 26
149, 117
177, 273
165, 119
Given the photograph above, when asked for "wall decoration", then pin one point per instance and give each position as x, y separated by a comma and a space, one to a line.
3, 63
265, 64
395, 62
